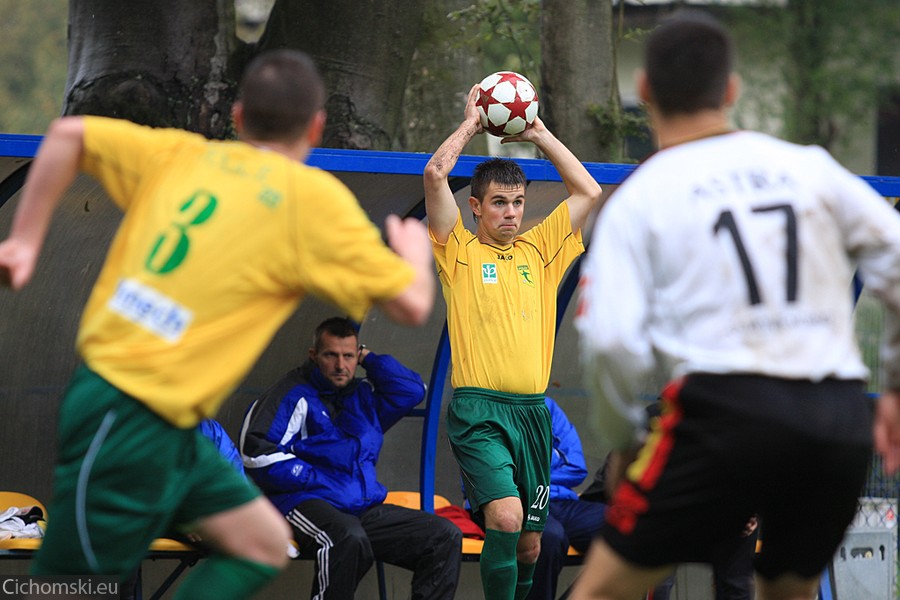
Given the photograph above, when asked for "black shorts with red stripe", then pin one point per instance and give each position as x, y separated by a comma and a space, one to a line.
727, 447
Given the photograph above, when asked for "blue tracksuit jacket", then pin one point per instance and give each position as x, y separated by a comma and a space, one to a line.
304, 439
567, 466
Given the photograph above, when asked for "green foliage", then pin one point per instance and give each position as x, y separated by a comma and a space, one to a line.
832, 58
33, 63
614, 125
869, 331
507, 35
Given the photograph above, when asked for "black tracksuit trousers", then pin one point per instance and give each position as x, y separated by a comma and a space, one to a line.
345, 547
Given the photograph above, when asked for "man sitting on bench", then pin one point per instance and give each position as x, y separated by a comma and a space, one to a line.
311, 442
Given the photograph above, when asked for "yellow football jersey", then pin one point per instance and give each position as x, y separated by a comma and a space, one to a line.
218, 244
501, 303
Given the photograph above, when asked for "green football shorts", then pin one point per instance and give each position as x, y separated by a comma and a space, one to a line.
502, 443
123, 477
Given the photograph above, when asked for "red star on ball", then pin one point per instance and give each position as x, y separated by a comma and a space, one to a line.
510, 77
485, 99
517, 108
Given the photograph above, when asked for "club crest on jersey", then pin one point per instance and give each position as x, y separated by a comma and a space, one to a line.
525, 275
488, 273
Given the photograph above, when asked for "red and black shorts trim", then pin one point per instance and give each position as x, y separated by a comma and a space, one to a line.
726, 447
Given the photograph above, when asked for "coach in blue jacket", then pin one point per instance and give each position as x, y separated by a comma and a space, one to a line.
311, 442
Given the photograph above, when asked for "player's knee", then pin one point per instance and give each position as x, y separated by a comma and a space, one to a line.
528, 548
269, 544
528, 556
504, 514
504, 521
265, 541
786, 587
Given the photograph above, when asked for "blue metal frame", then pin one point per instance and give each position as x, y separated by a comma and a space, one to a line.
413, 163
433, 420
19, 146
826, 584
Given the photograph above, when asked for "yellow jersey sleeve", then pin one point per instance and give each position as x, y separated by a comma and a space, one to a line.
558, 244
449, 255
348, 264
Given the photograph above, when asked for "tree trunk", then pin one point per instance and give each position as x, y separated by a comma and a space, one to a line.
807, 120
155, 62
363, 49
578, 76
442, 72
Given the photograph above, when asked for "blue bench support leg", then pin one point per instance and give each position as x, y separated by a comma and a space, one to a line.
382, 589
826, 584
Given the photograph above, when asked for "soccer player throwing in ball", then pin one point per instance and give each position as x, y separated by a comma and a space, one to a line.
500, 286
725, 260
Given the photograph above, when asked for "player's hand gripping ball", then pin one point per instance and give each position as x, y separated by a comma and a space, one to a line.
507, 103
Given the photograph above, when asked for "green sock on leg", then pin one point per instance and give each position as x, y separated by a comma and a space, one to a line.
225, 578
498, 564
523, 582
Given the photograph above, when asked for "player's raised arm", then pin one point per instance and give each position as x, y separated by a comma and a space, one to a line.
440, 205
54, 169
584, 191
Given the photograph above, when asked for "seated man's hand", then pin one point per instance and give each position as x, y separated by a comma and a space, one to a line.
615, 468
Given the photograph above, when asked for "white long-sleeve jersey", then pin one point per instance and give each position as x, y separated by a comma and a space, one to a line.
732, 254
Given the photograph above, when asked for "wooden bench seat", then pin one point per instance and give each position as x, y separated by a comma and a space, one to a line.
160, 549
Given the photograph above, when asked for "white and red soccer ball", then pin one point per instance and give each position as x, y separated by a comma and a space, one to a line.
507, 103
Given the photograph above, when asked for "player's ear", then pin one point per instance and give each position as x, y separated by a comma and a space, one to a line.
643, 86
475, 205
732, 89
312, 354
237, 116
316, 128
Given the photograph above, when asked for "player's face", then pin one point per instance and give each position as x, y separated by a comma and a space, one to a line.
337, 358
500, 212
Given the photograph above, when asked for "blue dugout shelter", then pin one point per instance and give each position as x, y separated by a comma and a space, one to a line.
38, 325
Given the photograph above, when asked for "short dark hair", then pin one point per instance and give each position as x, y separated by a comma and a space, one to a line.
688, 60
496, 170
337, 326
281, 91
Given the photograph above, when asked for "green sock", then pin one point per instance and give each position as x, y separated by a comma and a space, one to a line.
498, 564
523, 583
225, 578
